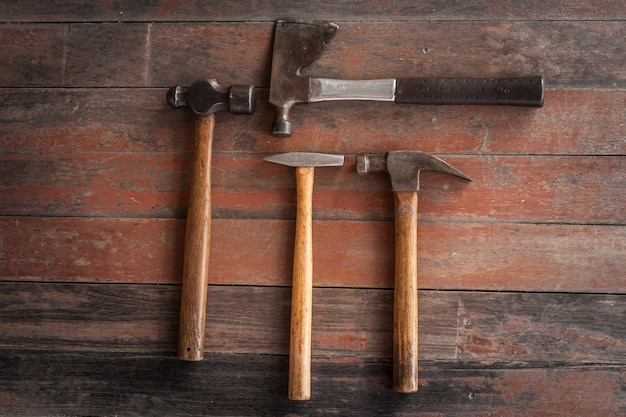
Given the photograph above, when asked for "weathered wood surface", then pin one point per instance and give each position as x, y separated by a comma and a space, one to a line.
541, 189
521, 271
81, 384
266, 10
566, 53
464, 256
572, 122
470, 327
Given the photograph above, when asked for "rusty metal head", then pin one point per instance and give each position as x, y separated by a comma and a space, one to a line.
296, 45
306, 159
207, 96
404, 167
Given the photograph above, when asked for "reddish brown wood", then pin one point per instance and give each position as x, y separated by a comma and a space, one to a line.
521, 257
193, 303
405, 303
139, 120
544, 189
94, 182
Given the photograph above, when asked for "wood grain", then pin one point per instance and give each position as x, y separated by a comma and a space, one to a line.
252, 385
521, 257
572, 122
195, 281
541, 189
302, 289
473, 328
566, 53
177, 10
521, 271
405, 302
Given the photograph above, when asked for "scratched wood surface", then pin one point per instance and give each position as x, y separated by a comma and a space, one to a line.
522, 271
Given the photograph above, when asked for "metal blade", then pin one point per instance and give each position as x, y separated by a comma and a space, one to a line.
306, 159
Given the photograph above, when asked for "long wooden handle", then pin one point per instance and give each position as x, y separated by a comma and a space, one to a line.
197, 244
302, 290
405, 294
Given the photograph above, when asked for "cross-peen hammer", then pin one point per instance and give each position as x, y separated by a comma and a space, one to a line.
404, 168
302, 287
299, 43
205, 97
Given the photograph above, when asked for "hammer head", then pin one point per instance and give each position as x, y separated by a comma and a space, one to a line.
296, 45
207, 96
404, 167
306, 159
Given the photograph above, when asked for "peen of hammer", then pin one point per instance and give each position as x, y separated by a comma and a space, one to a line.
299, 43
205, 98
302, 287
404, 168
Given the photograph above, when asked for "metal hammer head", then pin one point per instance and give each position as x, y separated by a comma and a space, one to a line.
296, 45
306, 159
207, 96
404, 167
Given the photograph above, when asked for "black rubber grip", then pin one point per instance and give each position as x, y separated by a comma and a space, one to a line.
522, 91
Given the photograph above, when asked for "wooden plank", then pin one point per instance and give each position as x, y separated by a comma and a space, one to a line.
567, 54
32, 55
585, 122
108, 55
138, 318
546, 189
472, 256
549, 326
177, 10
107, 384
474, 328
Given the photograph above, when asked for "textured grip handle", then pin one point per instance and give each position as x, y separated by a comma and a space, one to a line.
521, 91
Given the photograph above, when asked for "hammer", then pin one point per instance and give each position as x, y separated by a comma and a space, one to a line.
298, 43
404, 167
302, 288
205, 97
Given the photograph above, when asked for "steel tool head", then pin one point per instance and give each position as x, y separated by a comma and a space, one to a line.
207, 96
296, 45
404, 167
306, 159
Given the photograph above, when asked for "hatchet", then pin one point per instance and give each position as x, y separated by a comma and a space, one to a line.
298, 43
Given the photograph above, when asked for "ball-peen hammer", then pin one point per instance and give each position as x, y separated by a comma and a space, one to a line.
205, 97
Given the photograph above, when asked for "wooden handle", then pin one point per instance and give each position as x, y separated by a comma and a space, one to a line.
197, 244
302, 290
405, 294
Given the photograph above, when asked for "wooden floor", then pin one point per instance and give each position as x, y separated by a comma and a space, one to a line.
522, 271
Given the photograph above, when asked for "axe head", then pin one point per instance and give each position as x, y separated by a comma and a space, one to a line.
296, 45
404, 167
